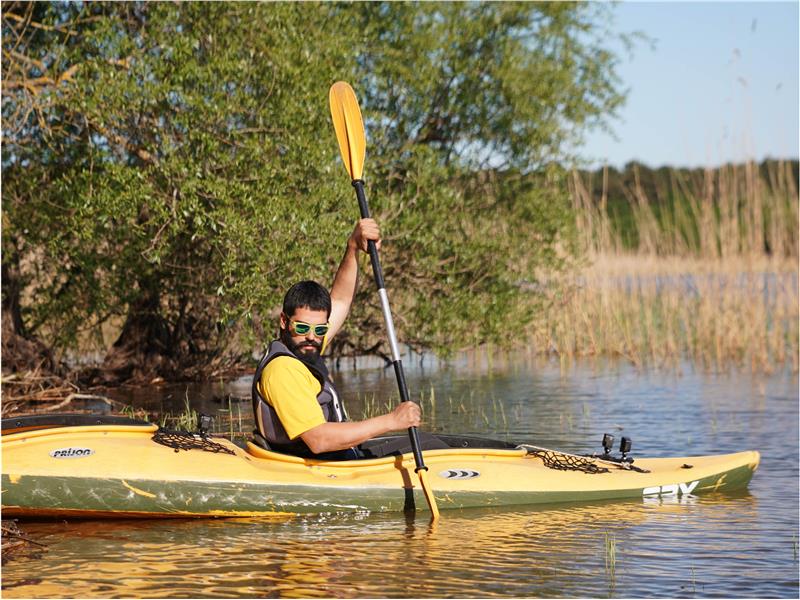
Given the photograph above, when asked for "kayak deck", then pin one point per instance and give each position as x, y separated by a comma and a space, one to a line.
117, 470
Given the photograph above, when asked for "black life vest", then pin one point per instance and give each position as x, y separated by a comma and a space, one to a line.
267, 421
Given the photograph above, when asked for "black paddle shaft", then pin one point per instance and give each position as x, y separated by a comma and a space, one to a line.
358, 184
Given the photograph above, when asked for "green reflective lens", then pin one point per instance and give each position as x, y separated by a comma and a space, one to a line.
301, 328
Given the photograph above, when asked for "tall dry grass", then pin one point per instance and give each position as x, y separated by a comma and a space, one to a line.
711, 277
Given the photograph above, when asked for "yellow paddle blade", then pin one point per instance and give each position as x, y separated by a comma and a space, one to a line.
349, 127
423, 480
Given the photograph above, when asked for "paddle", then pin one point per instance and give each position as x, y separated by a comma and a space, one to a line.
350, 132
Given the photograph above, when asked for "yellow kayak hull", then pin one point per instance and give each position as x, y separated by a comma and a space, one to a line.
110, 471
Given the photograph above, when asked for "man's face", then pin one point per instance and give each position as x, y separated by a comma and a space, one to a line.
307, 345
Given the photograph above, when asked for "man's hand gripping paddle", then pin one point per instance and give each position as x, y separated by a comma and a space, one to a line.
350, 132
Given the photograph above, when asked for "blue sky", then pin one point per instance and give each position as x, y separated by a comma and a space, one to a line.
720, 84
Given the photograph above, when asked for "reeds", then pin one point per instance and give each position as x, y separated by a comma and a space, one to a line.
707, 271
610, 544
471, 411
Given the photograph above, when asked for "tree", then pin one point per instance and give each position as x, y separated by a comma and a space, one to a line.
172, 167
177, 164
470, 108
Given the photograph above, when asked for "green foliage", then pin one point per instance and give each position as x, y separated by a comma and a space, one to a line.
187, 165
486, 84
175, 162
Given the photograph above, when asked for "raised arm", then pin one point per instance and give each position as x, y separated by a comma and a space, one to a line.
344, 283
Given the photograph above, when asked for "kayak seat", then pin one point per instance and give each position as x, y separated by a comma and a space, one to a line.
260, 441
395, 445
351, 454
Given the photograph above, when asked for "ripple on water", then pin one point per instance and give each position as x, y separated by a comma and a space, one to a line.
733, 545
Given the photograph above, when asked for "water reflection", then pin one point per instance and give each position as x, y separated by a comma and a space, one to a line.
548, 551
741, 545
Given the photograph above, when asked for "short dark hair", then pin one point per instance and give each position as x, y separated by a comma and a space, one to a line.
306, 294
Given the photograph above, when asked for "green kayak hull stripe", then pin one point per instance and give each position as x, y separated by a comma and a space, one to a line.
29, 494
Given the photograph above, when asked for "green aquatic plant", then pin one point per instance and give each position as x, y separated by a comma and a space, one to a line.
611, 554
234, 428
134, 413
187, 420
239, 414
502, 414
370, 407
230, 417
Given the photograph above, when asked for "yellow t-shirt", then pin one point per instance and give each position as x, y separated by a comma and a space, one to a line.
290, 388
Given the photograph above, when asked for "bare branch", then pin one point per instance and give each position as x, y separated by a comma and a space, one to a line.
59, 28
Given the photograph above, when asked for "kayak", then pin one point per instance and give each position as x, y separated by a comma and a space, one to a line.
109, 467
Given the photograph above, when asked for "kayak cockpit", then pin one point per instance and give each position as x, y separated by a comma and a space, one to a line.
397, 445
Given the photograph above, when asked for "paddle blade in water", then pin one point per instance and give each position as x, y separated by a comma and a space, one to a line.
349, 127
423, 480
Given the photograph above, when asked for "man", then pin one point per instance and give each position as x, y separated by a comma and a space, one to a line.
296, 406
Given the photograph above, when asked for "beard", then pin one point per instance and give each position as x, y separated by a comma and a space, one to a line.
307, 351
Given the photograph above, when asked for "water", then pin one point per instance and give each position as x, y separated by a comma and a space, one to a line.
735, 545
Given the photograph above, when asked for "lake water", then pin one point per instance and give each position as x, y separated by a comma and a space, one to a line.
734, 545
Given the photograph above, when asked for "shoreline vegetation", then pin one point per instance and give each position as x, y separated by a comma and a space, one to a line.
701, 266
161, 189
169, 169
705, 271
675, 266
